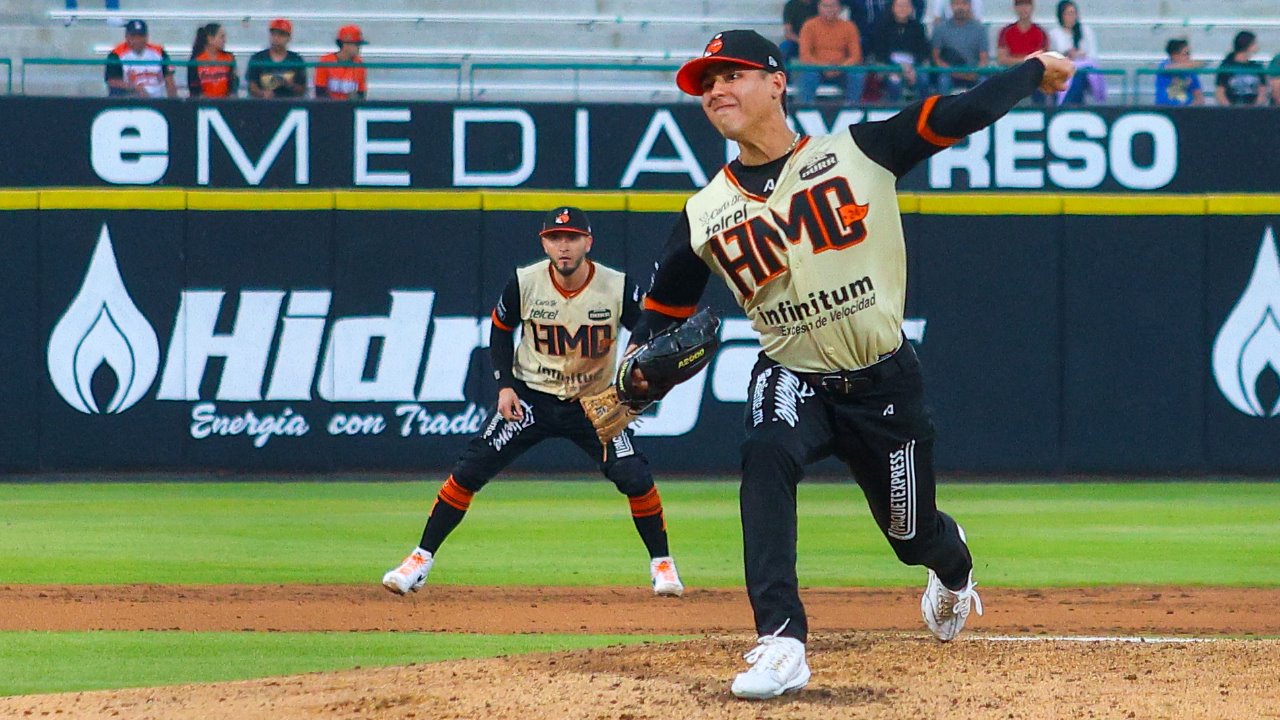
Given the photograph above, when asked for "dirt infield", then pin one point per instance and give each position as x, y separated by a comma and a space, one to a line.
868, 654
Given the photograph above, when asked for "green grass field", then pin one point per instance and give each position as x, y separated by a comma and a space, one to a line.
554, 533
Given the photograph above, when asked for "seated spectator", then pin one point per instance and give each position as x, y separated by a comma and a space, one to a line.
829, 40
1179, 88
960, 42
150, 79
215, 81
1019, 39
867, 14
1241, 88
1275, 79
277, 72
1071, 38
343, 83
899, 39
939, 11
794, 15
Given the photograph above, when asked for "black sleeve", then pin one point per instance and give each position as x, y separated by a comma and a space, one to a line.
114, 69
678, 281
194, 88
302, 72
253, 72
502, 338
234, 86
630, 303
929, 126
164, 63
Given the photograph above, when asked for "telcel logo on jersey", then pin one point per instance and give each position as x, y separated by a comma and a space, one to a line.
1249, 342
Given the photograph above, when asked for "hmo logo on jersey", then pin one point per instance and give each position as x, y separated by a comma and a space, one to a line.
1249, 342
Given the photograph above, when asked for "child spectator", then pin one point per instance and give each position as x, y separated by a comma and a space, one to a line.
343, 83
1179, 88
206, 79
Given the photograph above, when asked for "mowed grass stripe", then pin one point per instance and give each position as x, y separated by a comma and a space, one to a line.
580, 533
43, 662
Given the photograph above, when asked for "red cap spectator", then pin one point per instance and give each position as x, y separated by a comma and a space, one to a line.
281, 25
351, 34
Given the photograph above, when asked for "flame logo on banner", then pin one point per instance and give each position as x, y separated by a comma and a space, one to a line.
102, 326
1249, 340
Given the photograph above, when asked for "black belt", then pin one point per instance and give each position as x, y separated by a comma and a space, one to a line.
852, 382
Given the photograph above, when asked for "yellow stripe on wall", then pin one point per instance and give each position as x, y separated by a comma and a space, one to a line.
923, 203
19, 200
113, 199
259, 200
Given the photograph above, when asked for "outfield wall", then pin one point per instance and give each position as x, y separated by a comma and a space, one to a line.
318, 330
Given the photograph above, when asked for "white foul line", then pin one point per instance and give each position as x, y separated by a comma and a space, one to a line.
1094, 639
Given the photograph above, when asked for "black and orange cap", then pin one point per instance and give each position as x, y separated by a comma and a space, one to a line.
565, 219
747, 48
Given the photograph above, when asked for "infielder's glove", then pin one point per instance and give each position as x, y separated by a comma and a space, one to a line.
671, 357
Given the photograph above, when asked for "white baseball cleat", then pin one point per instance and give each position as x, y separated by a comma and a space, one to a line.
946, 610
666, 581
777, 666
412, 573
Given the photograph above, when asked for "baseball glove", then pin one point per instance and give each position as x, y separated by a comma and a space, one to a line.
671, 357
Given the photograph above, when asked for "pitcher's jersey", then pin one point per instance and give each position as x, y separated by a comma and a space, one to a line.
568, 338
820, 265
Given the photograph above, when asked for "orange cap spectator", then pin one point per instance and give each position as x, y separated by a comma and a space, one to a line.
351, 34
281, 25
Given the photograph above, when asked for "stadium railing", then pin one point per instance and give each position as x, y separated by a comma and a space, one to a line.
8, 75
465, 82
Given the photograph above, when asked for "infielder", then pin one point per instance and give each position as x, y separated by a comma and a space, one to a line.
570, 310
806, 233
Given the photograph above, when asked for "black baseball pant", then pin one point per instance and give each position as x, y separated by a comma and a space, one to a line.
547, 416
874, 420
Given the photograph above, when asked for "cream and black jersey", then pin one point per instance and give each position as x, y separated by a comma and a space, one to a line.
568, 339
811, 244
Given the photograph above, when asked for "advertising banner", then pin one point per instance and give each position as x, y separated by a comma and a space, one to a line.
230, 332
316, 144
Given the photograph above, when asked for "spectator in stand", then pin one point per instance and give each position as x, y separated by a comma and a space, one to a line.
215, 81
940, 11
343, 83
1179, 88
899, 39
867, 14
137, 68
1071, 38
1019, 39
960, 42
829, 40
1241, 88
277, 72
794, 15
1275, 79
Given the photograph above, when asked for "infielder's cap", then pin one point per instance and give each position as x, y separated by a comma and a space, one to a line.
747, 48
135, 27
281, 25
565, 219
351, 34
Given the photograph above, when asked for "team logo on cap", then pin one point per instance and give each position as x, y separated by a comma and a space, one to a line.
563, 217
714, 46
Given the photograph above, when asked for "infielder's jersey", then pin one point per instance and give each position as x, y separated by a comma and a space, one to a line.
811, 243
567, 338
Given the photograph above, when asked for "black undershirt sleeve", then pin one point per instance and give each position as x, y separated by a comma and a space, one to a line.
679, 279
904, 140
630, 303
502, 337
